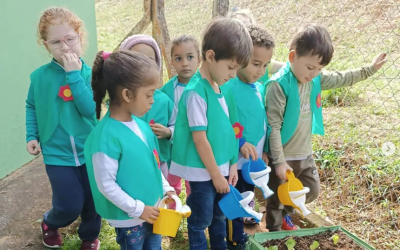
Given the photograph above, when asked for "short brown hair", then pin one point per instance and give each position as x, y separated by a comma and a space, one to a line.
260, 36
313, 39
122, 69
183, 39
229, 39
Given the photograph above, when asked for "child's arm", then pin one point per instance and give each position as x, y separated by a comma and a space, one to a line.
172, 120
207, 157
80, 88
105, 171
197, 119
32, 133
166, 132
275, 107
337, 79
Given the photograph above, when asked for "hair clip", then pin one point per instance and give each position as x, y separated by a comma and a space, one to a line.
106, 55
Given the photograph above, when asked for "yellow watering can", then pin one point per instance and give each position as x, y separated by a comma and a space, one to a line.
292, 193
167, 223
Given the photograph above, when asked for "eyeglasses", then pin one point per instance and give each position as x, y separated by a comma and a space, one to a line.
57, 43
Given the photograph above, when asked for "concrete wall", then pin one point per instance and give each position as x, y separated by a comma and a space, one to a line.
20, 54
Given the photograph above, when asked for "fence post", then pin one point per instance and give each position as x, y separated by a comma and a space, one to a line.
220, 8
142, 24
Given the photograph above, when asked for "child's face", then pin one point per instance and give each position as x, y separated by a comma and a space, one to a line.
257, 66
185, 60
223, 70
305, 68
59, 35
143, 100
146, 50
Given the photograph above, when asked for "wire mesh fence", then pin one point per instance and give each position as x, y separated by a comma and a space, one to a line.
359, 158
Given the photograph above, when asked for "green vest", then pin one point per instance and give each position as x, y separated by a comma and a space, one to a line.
251, 111
161, 112
220, 133
138, 170
289, 85
47, 81
168, 88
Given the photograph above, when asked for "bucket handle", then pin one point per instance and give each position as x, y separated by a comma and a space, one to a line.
177, 202
290, 175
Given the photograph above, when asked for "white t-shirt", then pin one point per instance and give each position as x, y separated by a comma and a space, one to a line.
105, 172
197, 117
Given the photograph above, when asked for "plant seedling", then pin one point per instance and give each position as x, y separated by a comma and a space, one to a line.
335, 239
272, 248
290, 243
314, 245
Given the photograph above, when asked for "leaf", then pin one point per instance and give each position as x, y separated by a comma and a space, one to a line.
290, 243
335, 239
272, 248
314, 245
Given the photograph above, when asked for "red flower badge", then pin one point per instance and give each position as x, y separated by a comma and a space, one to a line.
157, 157
65, 93
238, 129
319, 100
152, 122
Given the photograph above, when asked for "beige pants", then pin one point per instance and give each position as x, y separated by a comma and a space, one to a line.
306, 171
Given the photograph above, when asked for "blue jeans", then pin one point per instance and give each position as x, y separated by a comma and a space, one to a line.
203, 201
138, 238
235, 228
72, 197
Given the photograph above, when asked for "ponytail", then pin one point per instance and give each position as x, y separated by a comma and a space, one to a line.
99, 86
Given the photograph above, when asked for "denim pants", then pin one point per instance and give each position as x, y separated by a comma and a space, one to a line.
138, 238
72, 198
203, 201
235, 228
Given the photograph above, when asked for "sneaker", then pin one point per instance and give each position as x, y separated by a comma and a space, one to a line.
51, 237
250, 220
90, 245
287, 223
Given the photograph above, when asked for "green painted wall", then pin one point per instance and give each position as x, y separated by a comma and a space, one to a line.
20, 54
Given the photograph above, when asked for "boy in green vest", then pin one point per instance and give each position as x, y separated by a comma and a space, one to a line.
205, 147
294, 110
247, 92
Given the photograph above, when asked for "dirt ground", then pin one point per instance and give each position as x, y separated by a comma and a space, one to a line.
24, 196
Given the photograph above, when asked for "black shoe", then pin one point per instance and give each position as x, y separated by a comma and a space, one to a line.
237, 246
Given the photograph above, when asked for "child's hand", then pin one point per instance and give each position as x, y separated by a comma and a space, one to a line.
379, 60
281, 171
248, 150
33, 147
150, 214
233, 175
71, 62
221, 184
265, 158
160, 131
170, 199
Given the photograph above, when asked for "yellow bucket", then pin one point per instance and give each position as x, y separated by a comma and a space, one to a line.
293, 184
167, 223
